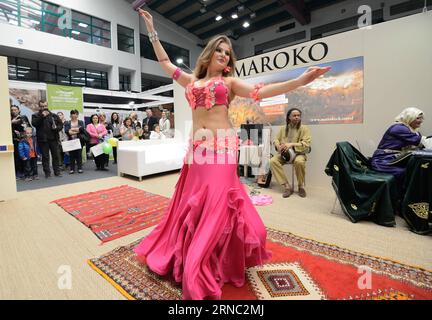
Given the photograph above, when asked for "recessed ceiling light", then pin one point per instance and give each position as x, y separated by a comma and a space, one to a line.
218, 17
253, 15
234, 15
179, 61
246, 24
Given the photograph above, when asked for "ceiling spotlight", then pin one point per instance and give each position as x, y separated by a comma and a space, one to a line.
203, 9
246, 24
179, 61
218, 17
252, 15
234, 15
240, 8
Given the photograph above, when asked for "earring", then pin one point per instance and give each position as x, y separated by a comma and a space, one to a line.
227, 69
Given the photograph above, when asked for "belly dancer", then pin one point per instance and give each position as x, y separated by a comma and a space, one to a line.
211, 232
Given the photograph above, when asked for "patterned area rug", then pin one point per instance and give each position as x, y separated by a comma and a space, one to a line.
116, 212
299, 269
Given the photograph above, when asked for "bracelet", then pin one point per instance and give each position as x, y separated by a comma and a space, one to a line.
153, 36
254, 93
177, 74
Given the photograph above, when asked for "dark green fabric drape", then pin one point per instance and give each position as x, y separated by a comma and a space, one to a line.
417, 203
364, 194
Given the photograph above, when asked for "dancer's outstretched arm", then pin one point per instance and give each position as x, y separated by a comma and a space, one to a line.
243, 89
170, 69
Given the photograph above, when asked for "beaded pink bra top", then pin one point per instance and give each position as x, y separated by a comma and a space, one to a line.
214, 92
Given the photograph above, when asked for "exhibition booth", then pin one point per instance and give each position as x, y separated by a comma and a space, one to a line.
371, 81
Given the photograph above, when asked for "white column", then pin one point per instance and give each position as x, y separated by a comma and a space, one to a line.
114, 78
136, 80
8, 190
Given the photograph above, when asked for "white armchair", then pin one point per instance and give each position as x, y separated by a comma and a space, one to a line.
146, 157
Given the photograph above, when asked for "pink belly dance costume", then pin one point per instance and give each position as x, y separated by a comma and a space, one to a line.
211, 231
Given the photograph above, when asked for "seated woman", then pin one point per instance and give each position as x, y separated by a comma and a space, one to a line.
398, 140
157, 134
127, 131
145, 134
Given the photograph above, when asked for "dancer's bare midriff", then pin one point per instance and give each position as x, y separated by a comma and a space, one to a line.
209, 122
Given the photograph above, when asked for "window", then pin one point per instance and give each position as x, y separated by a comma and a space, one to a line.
12, 68
78, 77
63, 75
31, 14
148, 84
147, 48
47, 17
27, 70
96, 79
101, 32
125, 82
30, 70
173, 51
9, 12
125, 38
47, 72
50, 20
81, 27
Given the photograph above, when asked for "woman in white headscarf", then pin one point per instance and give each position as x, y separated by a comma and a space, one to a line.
397, 142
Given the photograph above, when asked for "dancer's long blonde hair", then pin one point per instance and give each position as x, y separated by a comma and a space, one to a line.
206, 55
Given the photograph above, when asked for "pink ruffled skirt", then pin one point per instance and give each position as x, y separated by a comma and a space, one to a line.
211, 231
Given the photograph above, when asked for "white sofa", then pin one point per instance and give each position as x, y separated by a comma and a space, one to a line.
146, 157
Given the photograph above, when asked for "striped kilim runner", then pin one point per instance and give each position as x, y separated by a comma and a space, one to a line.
116, 212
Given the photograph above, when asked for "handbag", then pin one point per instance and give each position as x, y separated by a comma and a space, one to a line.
266, 179
84, 136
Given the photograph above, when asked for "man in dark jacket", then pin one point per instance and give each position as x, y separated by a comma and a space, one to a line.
47, 126
150, 120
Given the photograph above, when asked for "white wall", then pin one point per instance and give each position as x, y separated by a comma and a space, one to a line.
397, 74
7, 167
245, 46
171, 33
59, 49
117, 12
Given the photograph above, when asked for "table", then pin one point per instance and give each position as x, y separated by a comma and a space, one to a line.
417, 202
250, 156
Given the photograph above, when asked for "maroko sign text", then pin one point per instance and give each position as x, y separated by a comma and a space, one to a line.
293, 57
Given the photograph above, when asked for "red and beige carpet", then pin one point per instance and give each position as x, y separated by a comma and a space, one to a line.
116, 212
300, 269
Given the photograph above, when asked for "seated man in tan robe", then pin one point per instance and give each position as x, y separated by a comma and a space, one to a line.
296, 136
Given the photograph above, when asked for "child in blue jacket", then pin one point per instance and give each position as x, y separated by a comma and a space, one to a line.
27, 152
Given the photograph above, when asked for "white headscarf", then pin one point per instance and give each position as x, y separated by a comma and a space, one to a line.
408, 115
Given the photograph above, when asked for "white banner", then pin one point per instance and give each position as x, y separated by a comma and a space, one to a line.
71, 145
97, 150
